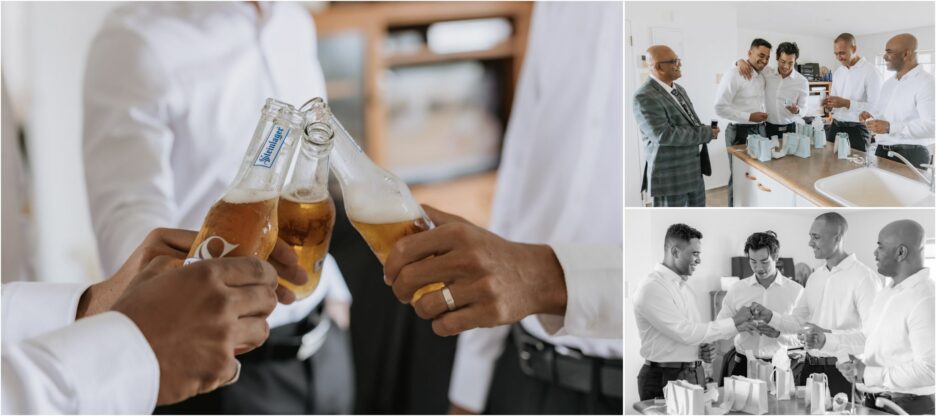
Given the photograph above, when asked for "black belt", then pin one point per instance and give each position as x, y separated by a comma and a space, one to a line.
284, 341
690, 364
569, 368
820, 360
887, 147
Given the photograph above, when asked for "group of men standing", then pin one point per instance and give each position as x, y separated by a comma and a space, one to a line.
766, 100
845, 308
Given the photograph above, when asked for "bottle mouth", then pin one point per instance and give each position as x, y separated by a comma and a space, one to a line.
319, 133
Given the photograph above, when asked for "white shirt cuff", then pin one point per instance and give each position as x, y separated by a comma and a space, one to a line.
33, 308
475, 356
594, 286
112, 366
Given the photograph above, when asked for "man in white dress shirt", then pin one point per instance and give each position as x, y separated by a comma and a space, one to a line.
903, 119
786, 90
838, 297
898, 353
741, 101
768, 287
559, 273
172, 94
673, 335
105, 348
855, 88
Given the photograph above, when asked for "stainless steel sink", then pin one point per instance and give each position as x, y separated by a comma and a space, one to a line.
873, 187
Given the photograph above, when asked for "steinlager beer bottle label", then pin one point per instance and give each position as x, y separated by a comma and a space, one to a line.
271, 146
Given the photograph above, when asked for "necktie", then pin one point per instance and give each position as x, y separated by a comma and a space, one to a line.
703, 154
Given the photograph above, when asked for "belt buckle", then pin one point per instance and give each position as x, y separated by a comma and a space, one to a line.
313, 340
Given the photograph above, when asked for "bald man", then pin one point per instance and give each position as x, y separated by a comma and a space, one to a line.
903, 120
897, 341
837, 297
671, 133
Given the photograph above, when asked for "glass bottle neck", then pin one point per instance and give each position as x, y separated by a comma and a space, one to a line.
309, 182
271, 150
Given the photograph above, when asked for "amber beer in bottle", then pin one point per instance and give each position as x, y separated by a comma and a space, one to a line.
379, 205
306, 210
244, 221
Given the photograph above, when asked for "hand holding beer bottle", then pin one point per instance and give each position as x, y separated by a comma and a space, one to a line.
244, 221
379, 204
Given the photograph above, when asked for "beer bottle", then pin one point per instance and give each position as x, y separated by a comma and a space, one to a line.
379, 205
243, 222
306, 210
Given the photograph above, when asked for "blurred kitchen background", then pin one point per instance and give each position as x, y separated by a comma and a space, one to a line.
426, 88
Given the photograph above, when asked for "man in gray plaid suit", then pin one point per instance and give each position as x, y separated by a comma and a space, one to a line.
671, 133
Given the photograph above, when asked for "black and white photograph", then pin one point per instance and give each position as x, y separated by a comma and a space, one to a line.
748, 311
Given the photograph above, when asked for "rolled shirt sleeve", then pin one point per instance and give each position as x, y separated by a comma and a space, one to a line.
101, 364
33, 308
921, 370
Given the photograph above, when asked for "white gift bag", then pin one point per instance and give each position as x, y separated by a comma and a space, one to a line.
750, 395
802, 147
818, 397
758, 369
684, 398
842, 145
781, 384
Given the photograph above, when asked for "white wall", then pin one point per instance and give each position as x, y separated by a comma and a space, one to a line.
812, 48
44, 54
710, 33
724, 232
870, 46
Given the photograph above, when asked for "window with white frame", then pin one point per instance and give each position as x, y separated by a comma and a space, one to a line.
926, 59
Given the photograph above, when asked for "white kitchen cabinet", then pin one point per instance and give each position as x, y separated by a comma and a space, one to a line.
753, 188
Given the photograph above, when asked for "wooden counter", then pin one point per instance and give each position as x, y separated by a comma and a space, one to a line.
800, 175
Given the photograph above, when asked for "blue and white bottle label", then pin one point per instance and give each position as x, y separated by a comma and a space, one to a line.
271, 146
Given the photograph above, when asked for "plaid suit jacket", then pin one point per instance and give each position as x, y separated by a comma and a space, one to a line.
670, 141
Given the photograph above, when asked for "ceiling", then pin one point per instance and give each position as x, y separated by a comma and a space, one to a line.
830, 18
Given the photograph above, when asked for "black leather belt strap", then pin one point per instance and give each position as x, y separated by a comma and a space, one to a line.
568, 367
690, 364
284, 341
820, 360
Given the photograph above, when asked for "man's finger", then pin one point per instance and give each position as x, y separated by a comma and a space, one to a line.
433, 304
442, 268
282, 253
460, 320
284, 295
291, 272
177, 239
253, 300
158, 265
250, 333
441, 217
416, 247
237, 271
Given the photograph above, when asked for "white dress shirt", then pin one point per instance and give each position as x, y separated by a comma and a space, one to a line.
907, 104
898, 338
737, 97
172, 95
860, 84
560, 207
670, 321
54, 364
839, 300
779, 297
794, 88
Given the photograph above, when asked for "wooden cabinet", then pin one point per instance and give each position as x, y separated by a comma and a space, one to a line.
753, 188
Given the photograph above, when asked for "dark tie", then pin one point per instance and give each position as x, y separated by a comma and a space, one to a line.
703, 154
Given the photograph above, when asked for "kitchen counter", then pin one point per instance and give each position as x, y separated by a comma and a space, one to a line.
774, 407
800, 175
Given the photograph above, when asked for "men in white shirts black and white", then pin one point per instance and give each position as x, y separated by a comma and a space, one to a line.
898, 359
549, 266
172, 93
768, 287
837, 297
786, 90
855, 88
741, 101
904, 120
674, 339
105, 348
